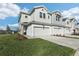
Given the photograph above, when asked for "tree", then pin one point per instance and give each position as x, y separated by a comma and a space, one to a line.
8, 29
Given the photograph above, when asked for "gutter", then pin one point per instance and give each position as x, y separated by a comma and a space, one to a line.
42, 23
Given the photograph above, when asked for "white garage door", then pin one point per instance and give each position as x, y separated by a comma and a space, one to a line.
40, 31
56, 31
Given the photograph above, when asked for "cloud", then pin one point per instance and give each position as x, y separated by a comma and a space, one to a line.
2, 27
74, 12
14, 25
8, 10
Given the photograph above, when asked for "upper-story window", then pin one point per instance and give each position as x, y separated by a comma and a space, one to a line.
42, 10
25, 16
67, 22
44, 15
40, 15
48, 16
71, 20
64, 19
58, 17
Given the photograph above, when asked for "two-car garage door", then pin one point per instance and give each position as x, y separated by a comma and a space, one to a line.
41, 31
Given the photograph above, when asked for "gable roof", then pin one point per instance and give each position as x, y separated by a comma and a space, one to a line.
20, 15
56, 12
71, 19
32, 10
41, 6
37, 7
64, 19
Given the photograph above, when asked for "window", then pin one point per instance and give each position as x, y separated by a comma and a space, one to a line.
25, 16
64, 19
42, 10
71, 20
43, 15
48, 16
67, 22
58, 17
40, 14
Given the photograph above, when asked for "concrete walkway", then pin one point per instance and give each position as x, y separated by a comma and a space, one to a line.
77, 52
69, 42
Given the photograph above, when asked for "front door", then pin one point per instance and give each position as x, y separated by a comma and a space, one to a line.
25, 30
74, 31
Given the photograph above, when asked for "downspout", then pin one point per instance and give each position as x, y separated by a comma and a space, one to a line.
51, 26
32, 25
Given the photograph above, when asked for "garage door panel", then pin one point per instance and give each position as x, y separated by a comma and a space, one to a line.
41, 32
37, 31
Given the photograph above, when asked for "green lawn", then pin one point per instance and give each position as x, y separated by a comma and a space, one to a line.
10, 46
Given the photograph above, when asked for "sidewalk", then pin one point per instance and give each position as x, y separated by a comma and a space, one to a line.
73, 36
77, 52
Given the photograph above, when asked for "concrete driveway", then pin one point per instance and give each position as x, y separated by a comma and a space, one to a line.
69, 42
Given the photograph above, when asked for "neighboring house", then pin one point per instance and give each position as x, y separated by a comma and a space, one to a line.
3, 31
11, 29
40, 22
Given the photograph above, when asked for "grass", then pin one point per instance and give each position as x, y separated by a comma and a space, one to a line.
10, 46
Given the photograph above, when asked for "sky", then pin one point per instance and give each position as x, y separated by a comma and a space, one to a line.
9, 12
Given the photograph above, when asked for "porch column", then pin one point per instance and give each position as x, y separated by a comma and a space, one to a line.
21, 29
